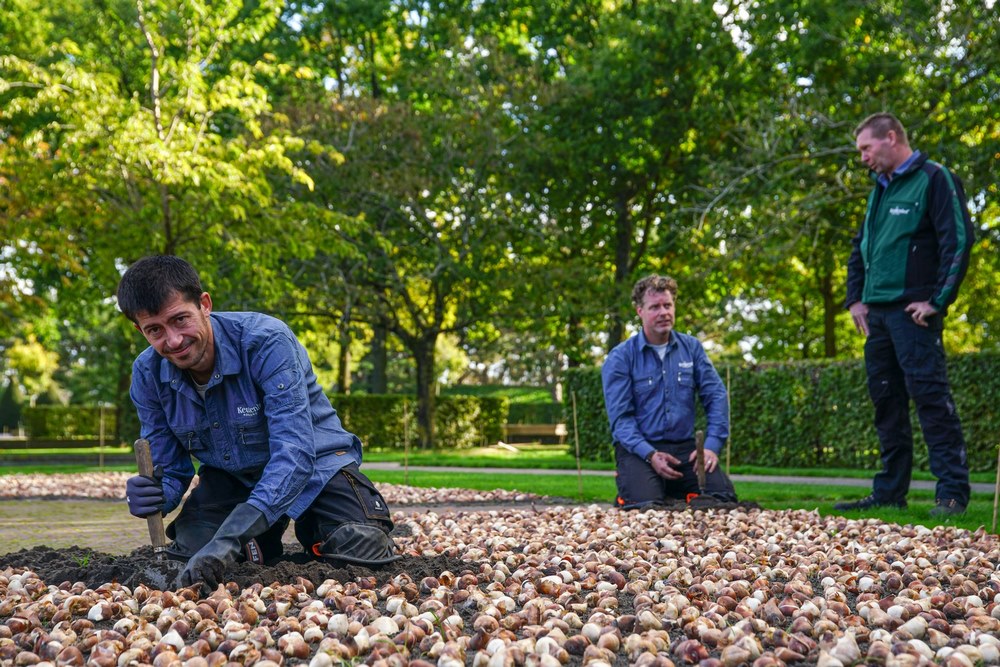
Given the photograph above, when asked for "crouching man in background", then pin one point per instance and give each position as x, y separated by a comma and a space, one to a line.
237, 392
651, 382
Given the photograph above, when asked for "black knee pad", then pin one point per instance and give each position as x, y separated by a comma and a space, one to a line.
358, 544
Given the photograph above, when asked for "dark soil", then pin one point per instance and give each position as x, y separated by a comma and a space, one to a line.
93, 568
141, 566
699, 503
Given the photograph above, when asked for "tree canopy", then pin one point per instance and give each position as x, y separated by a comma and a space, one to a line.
419, 186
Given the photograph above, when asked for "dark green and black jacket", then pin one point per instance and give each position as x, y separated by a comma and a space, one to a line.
915, 240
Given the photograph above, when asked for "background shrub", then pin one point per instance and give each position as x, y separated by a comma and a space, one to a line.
381, 420
811, 414
49, 422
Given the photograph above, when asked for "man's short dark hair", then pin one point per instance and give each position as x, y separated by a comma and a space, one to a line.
880, 125
150, 283
652, 283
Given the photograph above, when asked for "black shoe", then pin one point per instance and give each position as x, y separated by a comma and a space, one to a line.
867, 503
947, 507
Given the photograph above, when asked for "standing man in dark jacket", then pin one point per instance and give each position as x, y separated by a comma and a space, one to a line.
651, 382
909, 258
237, 392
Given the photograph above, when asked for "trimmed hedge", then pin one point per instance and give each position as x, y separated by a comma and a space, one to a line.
535, 413
811, 414
459, 421
55, 422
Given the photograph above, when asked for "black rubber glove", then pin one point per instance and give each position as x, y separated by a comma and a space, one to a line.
144, 495
210, 563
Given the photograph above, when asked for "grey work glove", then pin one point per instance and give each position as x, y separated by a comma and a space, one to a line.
210, 563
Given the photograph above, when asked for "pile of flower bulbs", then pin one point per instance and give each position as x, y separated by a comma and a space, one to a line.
561, 585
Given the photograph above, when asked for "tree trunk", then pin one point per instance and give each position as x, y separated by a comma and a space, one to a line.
423, 354
624, 237
574, 339
344, 353
344, 363
830, 308
379, 382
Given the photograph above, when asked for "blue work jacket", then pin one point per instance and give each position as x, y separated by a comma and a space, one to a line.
264, 419
652, 400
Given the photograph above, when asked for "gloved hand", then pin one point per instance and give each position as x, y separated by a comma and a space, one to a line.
210, 563
144, 494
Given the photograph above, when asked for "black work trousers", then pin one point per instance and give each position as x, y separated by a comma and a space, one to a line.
906, 361
349, 497
639, 484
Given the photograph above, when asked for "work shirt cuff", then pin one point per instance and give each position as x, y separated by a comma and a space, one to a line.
644, 451
268, 513
713, 443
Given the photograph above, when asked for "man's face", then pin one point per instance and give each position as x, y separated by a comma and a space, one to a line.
879, 155
657, 315
182, 333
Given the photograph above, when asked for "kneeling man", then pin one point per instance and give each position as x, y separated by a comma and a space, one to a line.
650, 385
237, 392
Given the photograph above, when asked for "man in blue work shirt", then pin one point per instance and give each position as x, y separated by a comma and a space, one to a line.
650, 384
237, 392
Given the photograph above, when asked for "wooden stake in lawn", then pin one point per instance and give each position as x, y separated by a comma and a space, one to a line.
406, 443
699, 448
144, 459
996, 493
576, 437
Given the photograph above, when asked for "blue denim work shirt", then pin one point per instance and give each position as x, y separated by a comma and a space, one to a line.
265, 419
652, 400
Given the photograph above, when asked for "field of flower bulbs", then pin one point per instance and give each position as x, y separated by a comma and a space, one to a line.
523, 581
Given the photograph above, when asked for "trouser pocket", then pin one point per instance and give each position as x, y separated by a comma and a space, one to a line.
348, 498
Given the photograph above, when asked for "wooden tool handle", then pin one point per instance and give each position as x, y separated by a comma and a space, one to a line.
699, 447
154, 521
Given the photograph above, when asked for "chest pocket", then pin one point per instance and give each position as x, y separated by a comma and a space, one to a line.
643, 384
251, 433
685, 381
195, 438
902, 215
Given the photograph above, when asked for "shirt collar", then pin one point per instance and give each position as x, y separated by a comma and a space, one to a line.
883, 180
227, 355
645, 343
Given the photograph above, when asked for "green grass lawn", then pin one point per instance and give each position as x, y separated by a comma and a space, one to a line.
769, 496
529, 456
555, 457
601, 489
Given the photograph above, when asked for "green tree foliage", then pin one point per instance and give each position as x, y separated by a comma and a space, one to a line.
134, 128
32, 367
789, 207
389, 175
433, 226
151, 137
627, 125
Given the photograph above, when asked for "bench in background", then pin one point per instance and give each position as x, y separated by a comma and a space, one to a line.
534, 432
